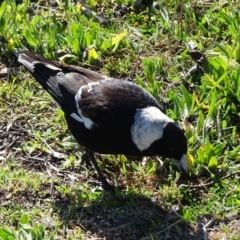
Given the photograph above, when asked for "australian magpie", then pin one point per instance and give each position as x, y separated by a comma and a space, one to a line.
146, 3
107, 115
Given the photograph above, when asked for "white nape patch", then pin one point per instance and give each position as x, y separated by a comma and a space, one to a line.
50, 66
88, 123
148, 126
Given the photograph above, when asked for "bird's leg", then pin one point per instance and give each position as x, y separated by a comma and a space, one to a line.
150, 10
106, 185
85, 160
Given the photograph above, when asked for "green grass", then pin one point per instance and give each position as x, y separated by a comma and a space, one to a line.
44, 191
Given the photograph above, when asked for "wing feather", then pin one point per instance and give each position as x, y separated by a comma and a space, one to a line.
113, 102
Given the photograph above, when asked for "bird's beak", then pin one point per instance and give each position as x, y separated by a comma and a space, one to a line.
182, 164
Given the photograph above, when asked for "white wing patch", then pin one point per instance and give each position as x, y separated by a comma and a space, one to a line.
76, 117
27, 64
88, 123
148, 126
51, 66
31, 65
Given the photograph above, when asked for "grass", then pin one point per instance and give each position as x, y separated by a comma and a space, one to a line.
44, 191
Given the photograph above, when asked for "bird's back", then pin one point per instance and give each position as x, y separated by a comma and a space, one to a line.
101, 111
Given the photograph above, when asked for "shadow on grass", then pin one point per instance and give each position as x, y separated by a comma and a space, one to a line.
123, 215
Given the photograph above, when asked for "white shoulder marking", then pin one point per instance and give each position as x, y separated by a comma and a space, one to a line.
88, 123
106, 78
148, 126
90, 86
51, 66
76, 117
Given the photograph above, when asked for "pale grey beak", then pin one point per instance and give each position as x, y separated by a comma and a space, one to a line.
182, 164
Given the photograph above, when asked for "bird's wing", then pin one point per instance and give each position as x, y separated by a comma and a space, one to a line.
88, 96
113, 102
62, 82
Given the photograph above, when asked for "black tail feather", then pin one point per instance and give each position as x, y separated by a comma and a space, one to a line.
45, 72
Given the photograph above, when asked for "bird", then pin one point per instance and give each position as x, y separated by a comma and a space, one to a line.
138, 4
107, 115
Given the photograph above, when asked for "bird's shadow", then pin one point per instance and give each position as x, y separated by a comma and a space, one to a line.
122, 215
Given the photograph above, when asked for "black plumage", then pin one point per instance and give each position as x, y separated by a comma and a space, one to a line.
106, 115
138, 4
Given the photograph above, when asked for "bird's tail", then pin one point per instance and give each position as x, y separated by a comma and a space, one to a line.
44, 71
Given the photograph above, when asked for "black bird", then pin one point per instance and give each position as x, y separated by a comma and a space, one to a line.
107, 115
138, 4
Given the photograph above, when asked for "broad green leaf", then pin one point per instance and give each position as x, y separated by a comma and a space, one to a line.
223, 77
178, 105
234, 30
201, 155
188, 99
235, 153
106, 45
165, 16
223, 62
226, 17
5, 234
237, 52
24, 219
200, 122
3, 8
92, 55
75, 46
2, 24
213, 162
29, 37
210, 81
212, 107
25, 234
219, 148
87, 40
74, 27
140, 81
222, 48
135, 166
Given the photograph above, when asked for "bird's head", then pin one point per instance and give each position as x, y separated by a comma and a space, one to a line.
154, 133
176, 146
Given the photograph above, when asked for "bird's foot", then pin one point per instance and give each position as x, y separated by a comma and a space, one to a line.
111, 188
105, 184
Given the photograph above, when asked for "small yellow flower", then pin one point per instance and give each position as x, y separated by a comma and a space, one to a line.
11, 42
79, 6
